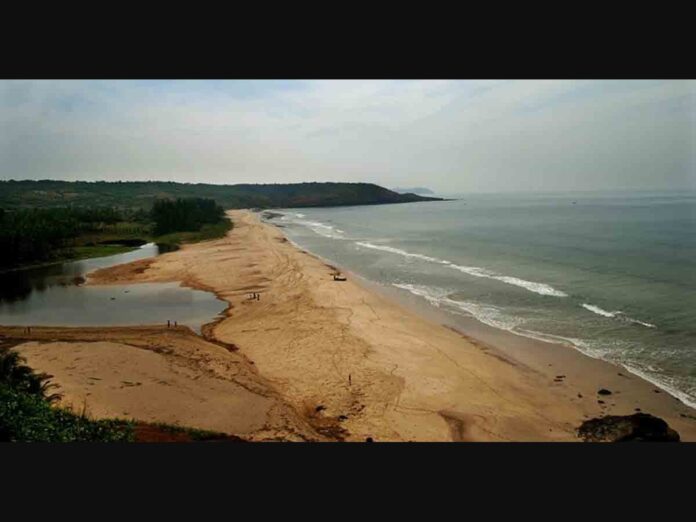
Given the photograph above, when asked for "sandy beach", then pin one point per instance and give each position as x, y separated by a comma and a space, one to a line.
319, 359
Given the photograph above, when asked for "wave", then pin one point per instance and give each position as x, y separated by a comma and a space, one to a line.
532, 286
618, 314
402, 252
597, 310
322, 229
487, 314
636, 321
615, 353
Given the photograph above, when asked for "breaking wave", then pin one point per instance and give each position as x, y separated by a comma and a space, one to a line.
537, 288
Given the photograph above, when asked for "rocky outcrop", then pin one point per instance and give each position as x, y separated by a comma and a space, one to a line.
626, 428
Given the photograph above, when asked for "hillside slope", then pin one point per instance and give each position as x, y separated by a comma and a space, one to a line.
49, 193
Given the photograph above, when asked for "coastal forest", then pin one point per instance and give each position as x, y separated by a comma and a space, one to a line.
38, 235
142, 195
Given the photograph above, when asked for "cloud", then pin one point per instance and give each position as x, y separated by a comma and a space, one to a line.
450, 135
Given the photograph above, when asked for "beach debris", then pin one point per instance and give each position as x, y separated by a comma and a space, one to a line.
656, 391
600, 401
343, 417
579, 395
624, 428
338, 277
319, 408
603, 391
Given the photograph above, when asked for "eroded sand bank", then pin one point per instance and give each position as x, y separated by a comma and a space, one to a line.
357, 364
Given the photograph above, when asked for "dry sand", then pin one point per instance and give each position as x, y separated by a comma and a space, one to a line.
339, 359
160, 374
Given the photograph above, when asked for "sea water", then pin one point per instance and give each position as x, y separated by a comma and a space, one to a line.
612, 275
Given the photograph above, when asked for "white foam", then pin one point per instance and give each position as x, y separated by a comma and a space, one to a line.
636, 321
686, 398
618, 314
598, 310
537, 288
487, 314
612, 353
401, 252
322, 229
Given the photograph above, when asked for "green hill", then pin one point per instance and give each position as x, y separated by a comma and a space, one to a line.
136, 194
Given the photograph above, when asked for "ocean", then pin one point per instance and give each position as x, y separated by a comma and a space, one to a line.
612, 275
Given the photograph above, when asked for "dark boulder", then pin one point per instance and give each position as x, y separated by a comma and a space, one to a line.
625, 428
604, 391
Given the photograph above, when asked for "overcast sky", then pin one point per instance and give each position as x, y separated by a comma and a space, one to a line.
451, 136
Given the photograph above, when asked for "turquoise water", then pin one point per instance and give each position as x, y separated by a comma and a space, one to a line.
609, 274
54, 295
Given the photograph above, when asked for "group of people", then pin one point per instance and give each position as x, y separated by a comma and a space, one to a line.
255, 295
169, 323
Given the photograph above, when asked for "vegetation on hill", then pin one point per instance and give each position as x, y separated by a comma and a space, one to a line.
47, 220
49, 193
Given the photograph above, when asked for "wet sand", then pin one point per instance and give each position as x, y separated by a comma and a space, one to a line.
351, 360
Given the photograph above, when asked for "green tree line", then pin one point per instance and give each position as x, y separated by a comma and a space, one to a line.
184, 214
35, 235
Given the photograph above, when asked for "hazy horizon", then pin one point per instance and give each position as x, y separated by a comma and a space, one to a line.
454, 137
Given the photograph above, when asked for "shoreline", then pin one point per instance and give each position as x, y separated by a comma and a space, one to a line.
383, 367
465, 325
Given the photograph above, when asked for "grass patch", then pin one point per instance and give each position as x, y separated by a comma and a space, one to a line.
27, 414
26, 417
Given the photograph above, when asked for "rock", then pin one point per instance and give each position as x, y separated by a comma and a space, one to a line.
600, 402
624, 428
579, 395
369, 439
603, 391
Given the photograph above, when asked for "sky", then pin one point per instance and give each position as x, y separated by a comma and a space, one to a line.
453, 136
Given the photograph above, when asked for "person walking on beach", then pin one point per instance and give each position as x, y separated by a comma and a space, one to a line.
167, 323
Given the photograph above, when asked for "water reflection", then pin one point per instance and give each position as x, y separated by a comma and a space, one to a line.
54, 296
